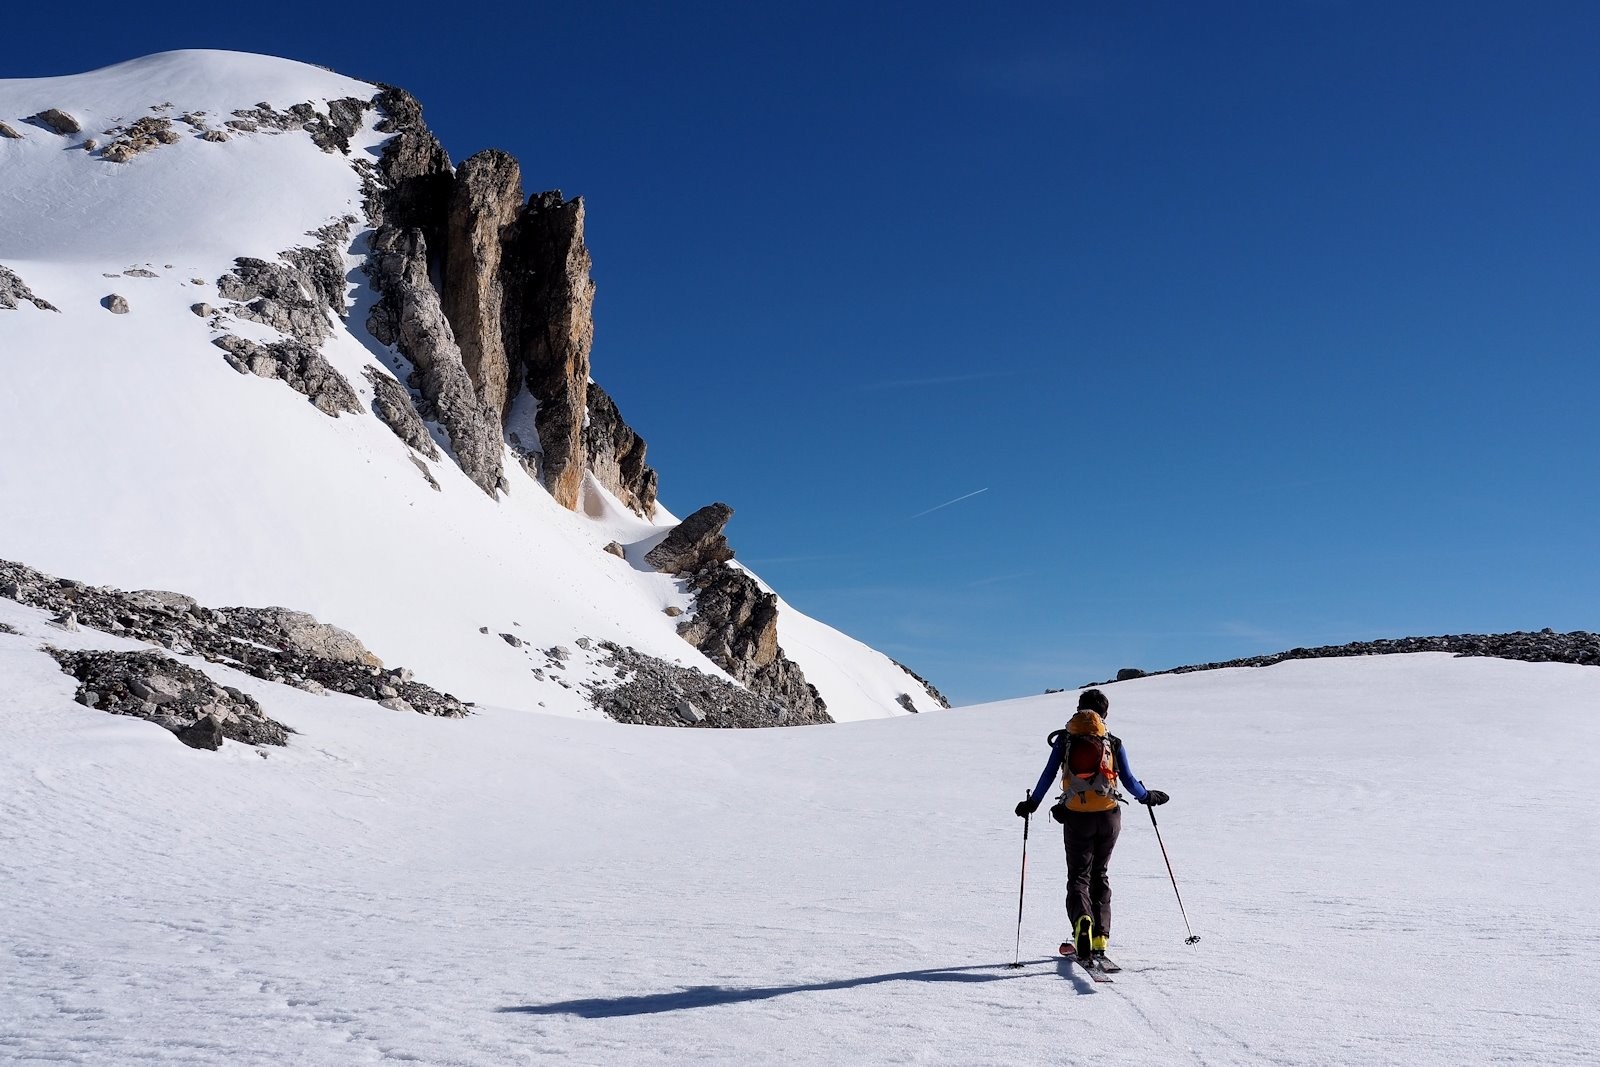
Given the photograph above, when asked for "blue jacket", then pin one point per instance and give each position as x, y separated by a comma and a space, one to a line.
1125, 776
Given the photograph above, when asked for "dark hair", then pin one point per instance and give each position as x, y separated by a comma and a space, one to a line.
1095, 701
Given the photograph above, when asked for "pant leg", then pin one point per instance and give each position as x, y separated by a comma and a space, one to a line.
1078, 833
1104, 840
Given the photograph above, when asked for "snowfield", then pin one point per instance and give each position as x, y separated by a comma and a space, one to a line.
1389, 860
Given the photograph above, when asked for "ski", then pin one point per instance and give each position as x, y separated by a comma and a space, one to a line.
1098, 969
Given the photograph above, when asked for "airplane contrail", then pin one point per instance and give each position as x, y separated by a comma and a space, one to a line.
947, 503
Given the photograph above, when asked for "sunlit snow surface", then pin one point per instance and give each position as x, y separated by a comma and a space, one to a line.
136, 457
1390, 860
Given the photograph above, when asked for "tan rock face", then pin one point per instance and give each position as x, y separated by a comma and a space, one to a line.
551, 323
484, 201
514, 291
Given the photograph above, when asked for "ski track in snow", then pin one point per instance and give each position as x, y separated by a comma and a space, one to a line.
519, 888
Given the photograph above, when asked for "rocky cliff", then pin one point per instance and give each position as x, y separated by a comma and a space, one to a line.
515, 307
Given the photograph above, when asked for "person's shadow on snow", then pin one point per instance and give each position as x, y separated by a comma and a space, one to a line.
706, 996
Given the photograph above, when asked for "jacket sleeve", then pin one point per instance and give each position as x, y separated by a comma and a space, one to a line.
1049, 774
1125, 773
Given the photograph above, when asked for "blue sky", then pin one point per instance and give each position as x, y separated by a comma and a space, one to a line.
1258, 324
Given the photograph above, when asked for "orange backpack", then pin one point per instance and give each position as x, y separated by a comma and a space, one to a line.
1089, 762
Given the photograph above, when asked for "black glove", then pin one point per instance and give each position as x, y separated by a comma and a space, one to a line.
1026, 808
1154, 797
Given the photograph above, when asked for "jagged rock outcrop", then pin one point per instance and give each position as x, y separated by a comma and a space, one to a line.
1545, 646
9, 131
408, 315
298, 365
735, 624
13, 290
294, 294
616, 454
58, 121
735, 621
695, 543
926, 685
332, 132
173, 695
410, 186
392, 403
484, 201
141, 135
513, 282
653, 692
550, 323
273, 644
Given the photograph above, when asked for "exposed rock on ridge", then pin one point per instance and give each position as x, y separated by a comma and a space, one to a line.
13, 290
616, 454
735, 623
296, 364
484, 201
274, 644
1546, 646
408, 315
552, 328
173, 695
294, 294
392, 403
695, 543
653, 692
513, 284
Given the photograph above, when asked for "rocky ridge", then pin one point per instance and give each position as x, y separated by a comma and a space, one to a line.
13, 291
273, 644
735, 621
496, 288
653, 692
173, 695
1545, 646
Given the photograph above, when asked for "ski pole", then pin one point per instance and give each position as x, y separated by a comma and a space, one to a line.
1193, 937
1026, 819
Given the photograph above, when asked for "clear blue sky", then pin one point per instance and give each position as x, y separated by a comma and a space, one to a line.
1262, 324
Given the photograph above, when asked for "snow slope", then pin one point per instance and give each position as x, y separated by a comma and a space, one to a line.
1390, 860
134, 456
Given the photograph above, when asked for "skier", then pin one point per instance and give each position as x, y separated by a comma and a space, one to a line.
1092, 763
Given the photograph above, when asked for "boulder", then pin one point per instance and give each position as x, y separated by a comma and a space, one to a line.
302, 632
57, 120
694, 543
115, 303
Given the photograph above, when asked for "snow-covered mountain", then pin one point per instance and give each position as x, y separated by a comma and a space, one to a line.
265, 345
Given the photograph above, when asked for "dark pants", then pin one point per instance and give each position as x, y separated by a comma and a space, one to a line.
1090, 837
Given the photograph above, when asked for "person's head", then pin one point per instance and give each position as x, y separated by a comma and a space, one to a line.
1095, 701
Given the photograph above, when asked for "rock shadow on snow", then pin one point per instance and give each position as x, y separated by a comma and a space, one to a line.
710, 996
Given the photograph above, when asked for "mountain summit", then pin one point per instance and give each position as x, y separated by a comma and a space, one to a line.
268, 345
